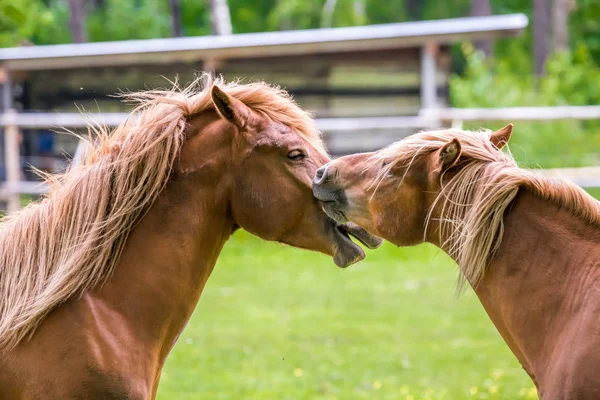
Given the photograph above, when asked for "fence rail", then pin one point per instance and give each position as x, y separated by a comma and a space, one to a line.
79, 120
513, 113
427, 118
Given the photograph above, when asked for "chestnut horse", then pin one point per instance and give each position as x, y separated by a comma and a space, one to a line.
529, 245
98, 280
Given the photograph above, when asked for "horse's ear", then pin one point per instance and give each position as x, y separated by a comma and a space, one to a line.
449, 154
230, 108
501, 136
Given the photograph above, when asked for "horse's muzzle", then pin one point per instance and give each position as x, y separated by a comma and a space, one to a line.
325, 188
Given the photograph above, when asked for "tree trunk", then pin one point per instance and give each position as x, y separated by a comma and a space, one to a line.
480, 8
360, 11
541, 25
327, 13
98, 3
175, 17
560, 19
414, 9
77, 21
219, 17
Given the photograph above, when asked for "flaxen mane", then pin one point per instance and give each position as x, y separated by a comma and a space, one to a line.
72, 240
477, 190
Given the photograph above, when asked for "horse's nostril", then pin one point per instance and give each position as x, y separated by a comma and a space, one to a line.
321, 175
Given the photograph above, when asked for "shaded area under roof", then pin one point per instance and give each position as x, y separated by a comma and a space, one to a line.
255, 45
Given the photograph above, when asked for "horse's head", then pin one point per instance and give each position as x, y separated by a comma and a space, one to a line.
395, 192
268, 182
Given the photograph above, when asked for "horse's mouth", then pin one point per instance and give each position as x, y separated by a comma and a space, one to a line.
347, 252
369, 240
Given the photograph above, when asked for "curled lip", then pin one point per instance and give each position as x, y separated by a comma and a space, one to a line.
360, 234
347, 252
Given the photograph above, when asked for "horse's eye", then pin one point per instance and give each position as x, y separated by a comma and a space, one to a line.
296, 155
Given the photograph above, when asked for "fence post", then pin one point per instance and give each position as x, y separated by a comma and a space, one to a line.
429, 76
457, 124
12, 163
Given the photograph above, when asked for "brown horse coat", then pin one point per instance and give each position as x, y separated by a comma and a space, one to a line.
528, 244
99, 279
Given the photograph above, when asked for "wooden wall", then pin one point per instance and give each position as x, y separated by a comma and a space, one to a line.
355, 84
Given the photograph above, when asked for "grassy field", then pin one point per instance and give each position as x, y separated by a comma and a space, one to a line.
280, 323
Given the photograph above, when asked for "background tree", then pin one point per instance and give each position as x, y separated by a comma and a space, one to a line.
560, 17
414, 9
327, 14
481, 8
584, 26
77, 19
220, 17
541, 34
175, 17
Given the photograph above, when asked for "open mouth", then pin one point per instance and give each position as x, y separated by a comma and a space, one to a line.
371, 241
348, 252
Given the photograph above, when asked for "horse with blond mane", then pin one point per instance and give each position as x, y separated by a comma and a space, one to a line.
98, 279
526, 243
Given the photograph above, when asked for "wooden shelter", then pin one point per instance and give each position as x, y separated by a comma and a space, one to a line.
365, 84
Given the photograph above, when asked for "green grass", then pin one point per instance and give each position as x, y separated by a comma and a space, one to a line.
281, 323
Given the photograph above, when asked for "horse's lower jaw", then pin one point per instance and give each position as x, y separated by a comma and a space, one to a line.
346, 251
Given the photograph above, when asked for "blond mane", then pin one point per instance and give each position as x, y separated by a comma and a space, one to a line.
476, 192
72, 240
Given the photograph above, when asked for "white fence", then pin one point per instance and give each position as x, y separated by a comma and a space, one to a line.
427, 118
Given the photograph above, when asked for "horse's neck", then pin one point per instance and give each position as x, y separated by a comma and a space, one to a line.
165, 265
534, 284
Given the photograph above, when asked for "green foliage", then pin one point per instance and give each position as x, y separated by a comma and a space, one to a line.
251, 16
446, 9
381, 12
575, 78
22, 20
57, 31
584, 26
195, 18
295, 14
347, 13
130, 19
571, 79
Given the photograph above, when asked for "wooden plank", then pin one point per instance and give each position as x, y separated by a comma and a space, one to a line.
58, 120
513, 113
362, 140
367, 123
285, 71
77, 120
431, 116
8, 190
